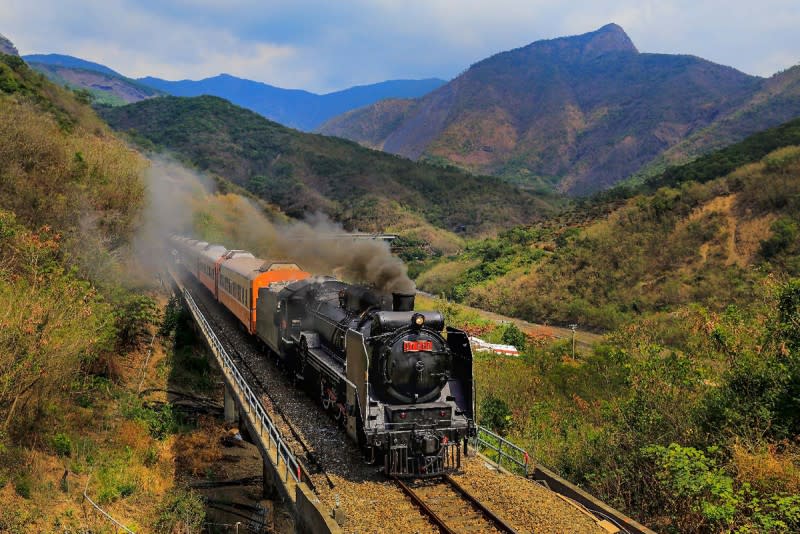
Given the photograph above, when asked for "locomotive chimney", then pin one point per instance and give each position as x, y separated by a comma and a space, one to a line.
402, 301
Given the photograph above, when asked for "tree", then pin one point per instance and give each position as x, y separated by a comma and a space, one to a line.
495, 414
514, 336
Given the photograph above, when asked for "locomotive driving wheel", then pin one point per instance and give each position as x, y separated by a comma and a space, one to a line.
323, 395
339, 411
302, 359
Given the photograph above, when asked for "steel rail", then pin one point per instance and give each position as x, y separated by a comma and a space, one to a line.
482, 507
485, 439
440, 523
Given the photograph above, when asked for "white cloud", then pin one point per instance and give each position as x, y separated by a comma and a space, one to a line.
322, 45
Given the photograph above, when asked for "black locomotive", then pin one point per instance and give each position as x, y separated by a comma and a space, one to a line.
399, 382
397, 379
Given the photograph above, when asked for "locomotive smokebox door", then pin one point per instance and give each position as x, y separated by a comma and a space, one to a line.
357, 367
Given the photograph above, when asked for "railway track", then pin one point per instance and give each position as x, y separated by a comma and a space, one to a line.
369, 502
311, 464
451, 508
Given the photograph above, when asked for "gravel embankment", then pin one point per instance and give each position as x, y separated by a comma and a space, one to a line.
523, 504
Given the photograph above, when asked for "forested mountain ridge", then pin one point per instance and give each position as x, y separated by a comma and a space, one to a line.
291, 107
72, 62
777, 101
579, 113
295, 108
304, 173
107, 88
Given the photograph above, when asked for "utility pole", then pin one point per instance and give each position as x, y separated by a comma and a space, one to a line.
573, 327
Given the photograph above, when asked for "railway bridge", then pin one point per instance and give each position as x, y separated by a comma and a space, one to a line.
339, 495
283, 475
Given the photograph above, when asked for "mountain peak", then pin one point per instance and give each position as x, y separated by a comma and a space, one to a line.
609, 38
7, 47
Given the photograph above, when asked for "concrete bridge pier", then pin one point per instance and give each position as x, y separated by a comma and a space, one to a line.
268, 490
230, 409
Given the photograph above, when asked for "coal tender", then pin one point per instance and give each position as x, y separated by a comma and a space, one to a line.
396, 379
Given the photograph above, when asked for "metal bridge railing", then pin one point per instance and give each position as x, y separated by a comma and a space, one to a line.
252, 403
500, 449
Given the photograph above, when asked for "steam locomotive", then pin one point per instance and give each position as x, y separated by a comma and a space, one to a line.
398, 381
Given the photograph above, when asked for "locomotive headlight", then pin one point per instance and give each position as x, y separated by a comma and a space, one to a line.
418, 319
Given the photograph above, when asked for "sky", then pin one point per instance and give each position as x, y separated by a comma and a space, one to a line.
326, 45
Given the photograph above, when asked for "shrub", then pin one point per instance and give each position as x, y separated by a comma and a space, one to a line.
784, 234
514, 336
133, 315
181, 510
23, 485
495, 414
161, 420
62, 444
172, 316
781, 159
704, 498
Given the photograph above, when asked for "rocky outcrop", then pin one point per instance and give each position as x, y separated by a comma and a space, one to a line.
7, 47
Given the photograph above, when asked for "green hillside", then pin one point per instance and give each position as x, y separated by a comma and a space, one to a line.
686, 414
76, 315
705, 232
306, 173
725, 160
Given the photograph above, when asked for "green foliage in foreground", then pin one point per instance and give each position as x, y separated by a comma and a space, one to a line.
706, 498
693, 433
